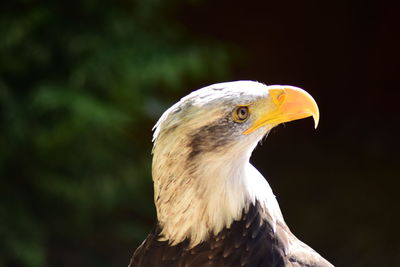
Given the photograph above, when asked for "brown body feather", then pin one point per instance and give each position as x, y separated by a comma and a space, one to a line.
250, 241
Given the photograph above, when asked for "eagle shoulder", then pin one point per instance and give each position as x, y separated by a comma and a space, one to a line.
250, 241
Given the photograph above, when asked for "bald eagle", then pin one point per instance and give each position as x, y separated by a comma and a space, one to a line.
213, 207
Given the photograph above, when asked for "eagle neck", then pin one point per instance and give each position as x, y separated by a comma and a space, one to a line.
196, 201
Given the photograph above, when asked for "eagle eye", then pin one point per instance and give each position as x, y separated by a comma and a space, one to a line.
240, 114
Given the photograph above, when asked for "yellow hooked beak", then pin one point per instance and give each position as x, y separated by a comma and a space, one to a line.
284, 104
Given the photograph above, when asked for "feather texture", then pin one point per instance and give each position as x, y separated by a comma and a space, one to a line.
249, 241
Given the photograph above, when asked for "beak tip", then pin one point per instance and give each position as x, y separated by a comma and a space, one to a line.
316, 121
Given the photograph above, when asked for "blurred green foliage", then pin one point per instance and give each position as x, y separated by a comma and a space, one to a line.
81, 83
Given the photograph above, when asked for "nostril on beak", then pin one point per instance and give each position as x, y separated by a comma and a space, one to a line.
278, 96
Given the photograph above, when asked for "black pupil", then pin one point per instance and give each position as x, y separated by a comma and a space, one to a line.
242, 113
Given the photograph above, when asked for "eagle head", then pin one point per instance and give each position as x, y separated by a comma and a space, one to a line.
203, 180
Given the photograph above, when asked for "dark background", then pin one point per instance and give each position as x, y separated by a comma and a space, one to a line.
83, 82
